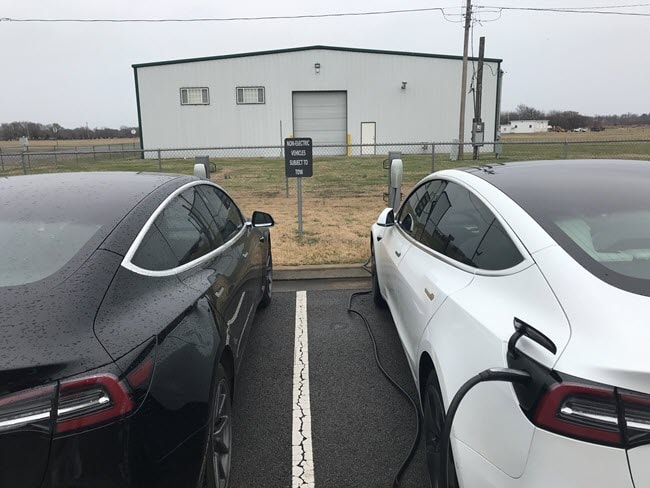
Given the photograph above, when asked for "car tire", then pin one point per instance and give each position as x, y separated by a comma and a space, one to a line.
434, 419
376, 292
218, 455
268, 284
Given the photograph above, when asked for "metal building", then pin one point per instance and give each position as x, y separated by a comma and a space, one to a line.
525, 127
334, 95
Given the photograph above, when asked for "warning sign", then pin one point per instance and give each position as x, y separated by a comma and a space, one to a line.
298, 157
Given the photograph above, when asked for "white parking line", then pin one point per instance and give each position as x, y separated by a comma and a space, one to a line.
302, 455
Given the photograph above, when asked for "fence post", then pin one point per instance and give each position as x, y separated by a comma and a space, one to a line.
159, 161
55, 156
110, 153
22, 157
76, 154
94, 155
2, 160
29, 158
433, 157
566, 149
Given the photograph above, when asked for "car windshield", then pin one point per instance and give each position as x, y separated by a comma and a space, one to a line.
33, 250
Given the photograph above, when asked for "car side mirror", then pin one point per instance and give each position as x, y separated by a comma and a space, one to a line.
262, 219
386, 218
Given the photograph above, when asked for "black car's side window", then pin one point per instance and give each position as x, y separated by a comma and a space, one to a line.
185, 225
413, 214
226, 217
461, 227
154, 253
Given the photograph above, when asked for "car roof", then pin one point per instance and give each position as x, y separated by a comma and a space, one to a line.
520, 177
92, 197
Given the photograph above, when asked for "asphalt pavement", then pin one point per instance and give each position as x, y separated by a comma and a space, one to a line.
361, 428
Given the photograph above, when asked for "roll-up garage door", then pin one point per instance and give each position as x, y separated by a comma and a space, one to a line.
323, 117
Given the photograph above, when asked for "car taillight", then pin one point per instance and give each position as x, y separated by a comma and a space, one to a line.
29, 409
636, 412
85, 401
90, 401
582, 411
93, 400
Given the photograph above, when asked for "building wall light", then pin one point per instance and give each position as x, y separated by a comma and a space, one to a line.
317, 68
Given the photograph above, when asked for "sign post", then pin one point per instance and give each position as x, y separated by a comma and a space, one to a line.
298, 162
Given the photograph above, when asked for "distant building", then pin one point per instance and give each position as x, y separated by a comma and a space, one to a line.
525, 127
334, 95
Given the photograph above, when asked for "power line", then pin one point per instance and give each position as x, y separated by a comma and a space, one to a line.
563, 10
596, 9
239, 19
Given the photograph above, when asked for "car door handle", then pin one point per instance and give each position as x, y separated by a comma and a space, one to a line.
429, 295
398, 254
262, 238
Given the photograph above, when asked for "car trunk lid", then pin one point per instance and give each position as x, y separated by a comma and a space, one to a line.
47, 331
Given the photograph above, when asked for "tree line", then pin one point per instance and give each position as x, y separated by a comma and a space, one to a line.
50, 132
570, 120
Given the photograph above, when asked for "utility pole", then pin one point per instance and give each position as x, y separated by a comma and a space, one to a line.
477, 127
463, 83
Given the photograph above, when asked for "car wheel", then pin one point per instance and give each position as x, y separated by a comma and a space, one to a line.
376, 293
219, 450
434, 419
268, 283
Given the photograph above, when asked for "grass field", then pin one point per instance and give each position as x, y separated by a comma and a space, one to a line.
612, 133
40, 145
345, 196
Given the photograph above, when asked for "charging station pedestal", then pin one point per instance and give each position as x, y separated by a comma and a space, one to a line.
394, 166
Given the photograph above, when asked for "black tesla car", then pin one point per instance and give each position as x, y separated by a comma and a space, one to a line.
125, 302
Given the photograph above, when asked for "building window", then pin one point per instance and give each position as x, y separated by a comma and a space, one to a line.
250, 94
195, 96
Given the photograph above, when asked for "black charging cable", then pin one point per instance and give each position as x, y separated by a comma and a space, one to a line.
492, 374
416, 440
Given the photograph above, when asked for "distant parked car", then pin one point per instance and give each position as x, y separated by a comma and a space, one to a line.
125, 303
580, 129
540, 266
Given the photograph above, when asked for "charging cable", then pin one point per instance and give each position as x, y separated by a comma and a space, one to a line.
492, 374
416, 440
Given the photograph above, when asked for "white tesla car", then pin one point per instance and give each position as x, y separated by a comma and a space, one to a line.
541, 266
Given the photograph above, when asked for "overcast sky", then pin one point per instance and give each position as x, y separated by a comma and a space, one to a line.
81, 73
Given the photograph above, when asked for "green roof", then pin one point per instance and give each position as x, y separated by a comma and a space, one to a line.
310, 48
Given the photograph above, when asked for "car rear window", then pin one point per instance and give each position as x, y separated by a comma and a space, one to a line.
599, 213
31, 250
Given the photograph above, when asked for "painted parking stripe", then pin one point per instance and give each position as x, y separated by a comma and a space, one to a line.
302, 455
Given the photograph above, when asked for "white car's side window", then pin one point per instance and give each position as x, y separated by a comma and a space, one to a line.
451, 220
413, 214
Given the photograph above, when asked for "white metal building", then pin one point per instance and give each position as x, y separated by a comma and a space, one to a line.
334, 95
525, 127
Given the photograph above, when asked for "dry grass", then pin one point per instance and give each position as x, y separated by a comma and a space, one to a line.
335, 230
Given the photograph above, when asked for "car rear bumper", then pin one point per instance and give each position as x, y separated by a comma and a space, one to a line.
117, 455
553, 460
